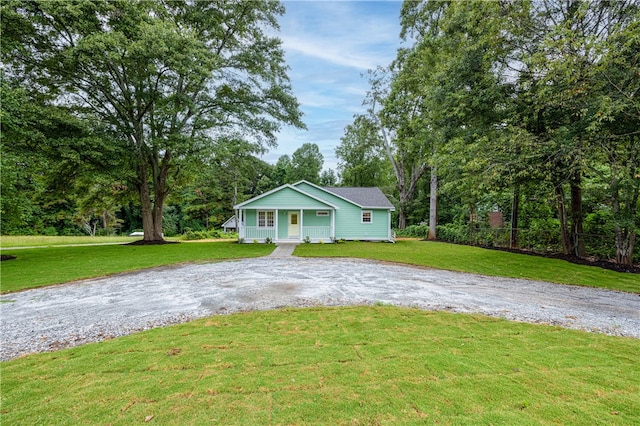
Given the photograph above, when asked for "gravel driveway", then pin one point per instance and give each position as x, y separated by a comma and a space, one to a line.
68, 315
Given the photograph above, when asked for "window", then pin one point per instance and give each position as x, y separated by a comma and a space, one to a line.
322, 213
367, 216
265, 219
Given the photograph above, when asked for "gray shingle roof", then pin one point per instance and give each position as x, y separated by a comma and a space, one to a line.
364, 197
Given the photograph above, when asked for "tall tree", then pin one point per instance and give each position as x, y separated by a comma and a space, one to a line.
615, 127
306, 163
453, 70
396, 108
166, 77
361, 160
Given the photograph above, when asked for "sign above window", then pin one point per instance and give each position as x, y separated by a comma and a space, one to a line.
322, 213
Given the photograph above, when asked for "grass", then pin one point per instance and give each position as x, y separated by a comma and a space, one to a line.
479, 261
11, 241
53, 265
345, 366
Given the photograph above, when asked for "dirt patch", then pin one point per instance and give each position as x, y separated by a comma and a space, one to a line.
4, 257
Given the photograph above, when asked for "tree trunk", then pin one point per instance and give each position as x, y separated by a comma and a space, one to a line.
577, 230
402, 216
151, 210
625, 241
625, 211
515, 211
562, 215
433, 204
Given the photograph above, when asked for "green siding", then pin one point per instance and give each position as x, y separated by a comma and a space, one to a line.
311, 219
286, 198
251, 218
283, 223
348, 223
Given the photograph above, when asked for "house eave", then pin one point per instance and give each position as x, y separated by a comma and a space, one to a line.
273, 191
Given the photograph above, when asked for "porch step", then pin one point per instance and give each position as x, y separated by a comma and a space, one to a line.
284, 250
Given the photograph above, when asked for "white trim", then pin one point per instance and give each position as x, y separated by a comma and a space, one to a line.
370, 216
296, 207
328, 192
289, 224
301, 222
266, 219
333, 224
300, 191
392, 208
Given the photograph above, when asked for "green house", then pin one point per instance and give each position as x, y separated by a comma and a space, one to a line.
306, 212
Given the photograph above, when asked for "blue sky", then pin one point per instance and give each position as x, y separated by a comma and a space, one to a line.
329, 45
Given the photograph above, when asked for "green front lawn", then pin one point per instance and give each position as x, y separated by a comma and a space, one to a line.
11, 241
347, 366
53, 265
477, 260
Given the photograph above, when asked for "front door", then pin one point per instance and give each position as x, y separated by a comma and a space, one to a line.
294, 225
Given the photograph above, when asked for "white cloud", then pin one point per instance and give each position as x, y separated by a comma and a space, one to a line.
329, 45
331, 52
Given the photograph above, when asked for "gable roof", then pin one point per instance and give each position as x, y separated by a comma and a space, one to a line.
280, 188
364, 197
230, 223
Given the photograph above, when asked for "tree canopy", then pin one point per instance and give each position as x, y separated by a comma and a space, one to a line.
166, 80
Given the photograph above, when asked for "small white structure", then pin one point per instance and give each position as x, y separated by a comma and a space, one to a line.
230, 225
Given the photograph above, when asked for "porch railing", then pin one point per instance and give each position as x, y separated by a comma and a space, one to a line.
255, 233
317, 232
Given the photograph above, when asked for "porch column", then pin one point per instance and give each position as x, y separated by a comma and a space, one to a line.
301, 225
333, 224
275, 222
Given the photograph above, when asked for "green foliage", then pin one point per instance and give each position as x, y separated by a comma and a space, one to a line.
306, 163
361, 365
205, 235
413, 231
506, 101
454, 233
163, 79
361, 161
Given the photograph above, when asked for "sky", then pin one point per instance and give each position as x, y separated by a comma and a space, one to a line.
329, 46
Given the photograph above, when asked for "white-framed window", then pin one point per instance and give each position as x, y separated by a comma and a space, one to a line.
322, 213
266, 219
367, 216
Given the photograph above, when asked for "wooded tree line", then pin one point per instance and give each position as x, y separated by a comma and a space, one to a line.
153, 115
531, 107
121, 103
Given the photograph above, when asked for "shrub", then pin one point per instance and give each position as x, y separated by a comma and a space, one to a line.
204, 235
414, 231
453, 233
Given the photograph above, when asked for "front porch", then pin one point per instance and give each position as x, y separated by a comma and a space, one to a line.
286, 225
315, 234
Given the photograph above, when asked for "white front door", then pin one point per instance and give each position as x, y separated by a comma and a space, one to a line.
294, 225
